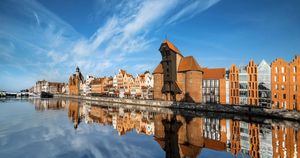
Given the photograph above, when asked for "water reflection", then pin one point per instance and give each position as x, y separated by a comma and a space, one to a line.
49, 104
186, 136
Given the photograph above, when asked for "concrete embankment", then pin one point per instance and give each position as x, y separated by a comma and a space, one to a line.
239, 110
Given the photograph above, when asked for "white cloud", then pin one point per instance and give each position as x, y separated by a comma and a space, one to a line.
191, 9
36, 18
54, 47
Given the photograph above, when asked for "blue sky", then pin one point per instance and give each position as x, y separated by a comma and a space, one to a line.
46, 39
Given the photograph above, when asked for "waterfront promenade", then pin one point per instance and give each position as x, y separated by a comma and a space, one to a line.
217, 108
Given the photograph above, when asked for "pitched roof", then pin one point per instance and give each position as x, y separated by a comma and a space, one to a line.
172, 47
97, 81
215, 73
188, 64
158, 69
129, 75
123, 72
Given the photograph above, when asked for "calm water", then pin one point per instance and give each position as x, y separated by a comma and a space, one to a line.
68, 128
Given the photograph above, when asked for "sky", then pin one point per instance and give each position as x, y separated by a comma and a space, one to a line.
47, 39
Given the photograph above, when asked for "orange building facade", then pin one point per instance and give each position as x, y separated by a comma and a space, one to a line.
234, 85
295, 83
101, 86
243, 84
285, 93
75, 82
177, 78
252, 83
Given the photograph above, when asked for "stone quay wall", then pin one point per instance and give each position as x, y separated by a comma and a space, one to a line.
236, 109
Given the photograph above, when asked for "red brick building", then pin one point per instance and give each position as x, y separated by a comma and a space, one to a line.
177, 78
75, 81
285, 84
243, 84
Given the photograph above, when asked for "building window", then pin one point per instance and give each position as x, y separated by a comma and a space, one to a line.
295, 88
276, 69
276, 86
282, 69
275, 95
294, 97
283, 78
284, 96
294, 78
295, 69
282, 87
275, 78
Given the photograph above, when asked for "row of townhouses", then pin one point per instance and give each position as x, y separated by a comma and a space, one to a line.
180, 78
121, 85
49, 87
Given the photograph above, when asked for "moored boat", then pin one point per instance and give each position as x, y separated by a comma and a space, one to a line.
46, 95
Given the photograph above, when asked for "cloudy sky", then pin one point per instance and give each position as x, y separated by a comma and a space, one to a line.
47, 39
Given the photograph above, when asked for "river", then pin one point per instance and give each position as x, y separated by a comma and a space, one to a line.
74, 128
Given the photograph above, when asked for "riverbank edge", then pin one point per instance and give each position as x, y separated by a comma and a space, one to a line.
235, 109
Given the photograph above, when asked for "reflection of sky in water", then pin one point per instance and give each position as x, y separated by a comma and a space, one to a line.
27, 133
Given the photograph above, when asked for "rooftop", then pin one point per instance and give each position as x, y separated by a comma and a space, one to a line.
188, 64
215, 73
172, 47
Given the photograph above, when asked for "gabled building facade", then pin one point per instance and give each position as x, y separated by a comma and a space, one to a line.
295, 83
280, 84
285, 84
264, 84
177, 78
76, 83
243, 84
124, 83
234, 97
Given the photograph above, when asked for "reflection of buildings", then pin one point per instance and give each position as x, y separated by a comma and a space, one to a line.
235, 145
122, 121
74, 113
181, 136
244, 138
265, 145
185, 137
285, 142
52, 104
254, 140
